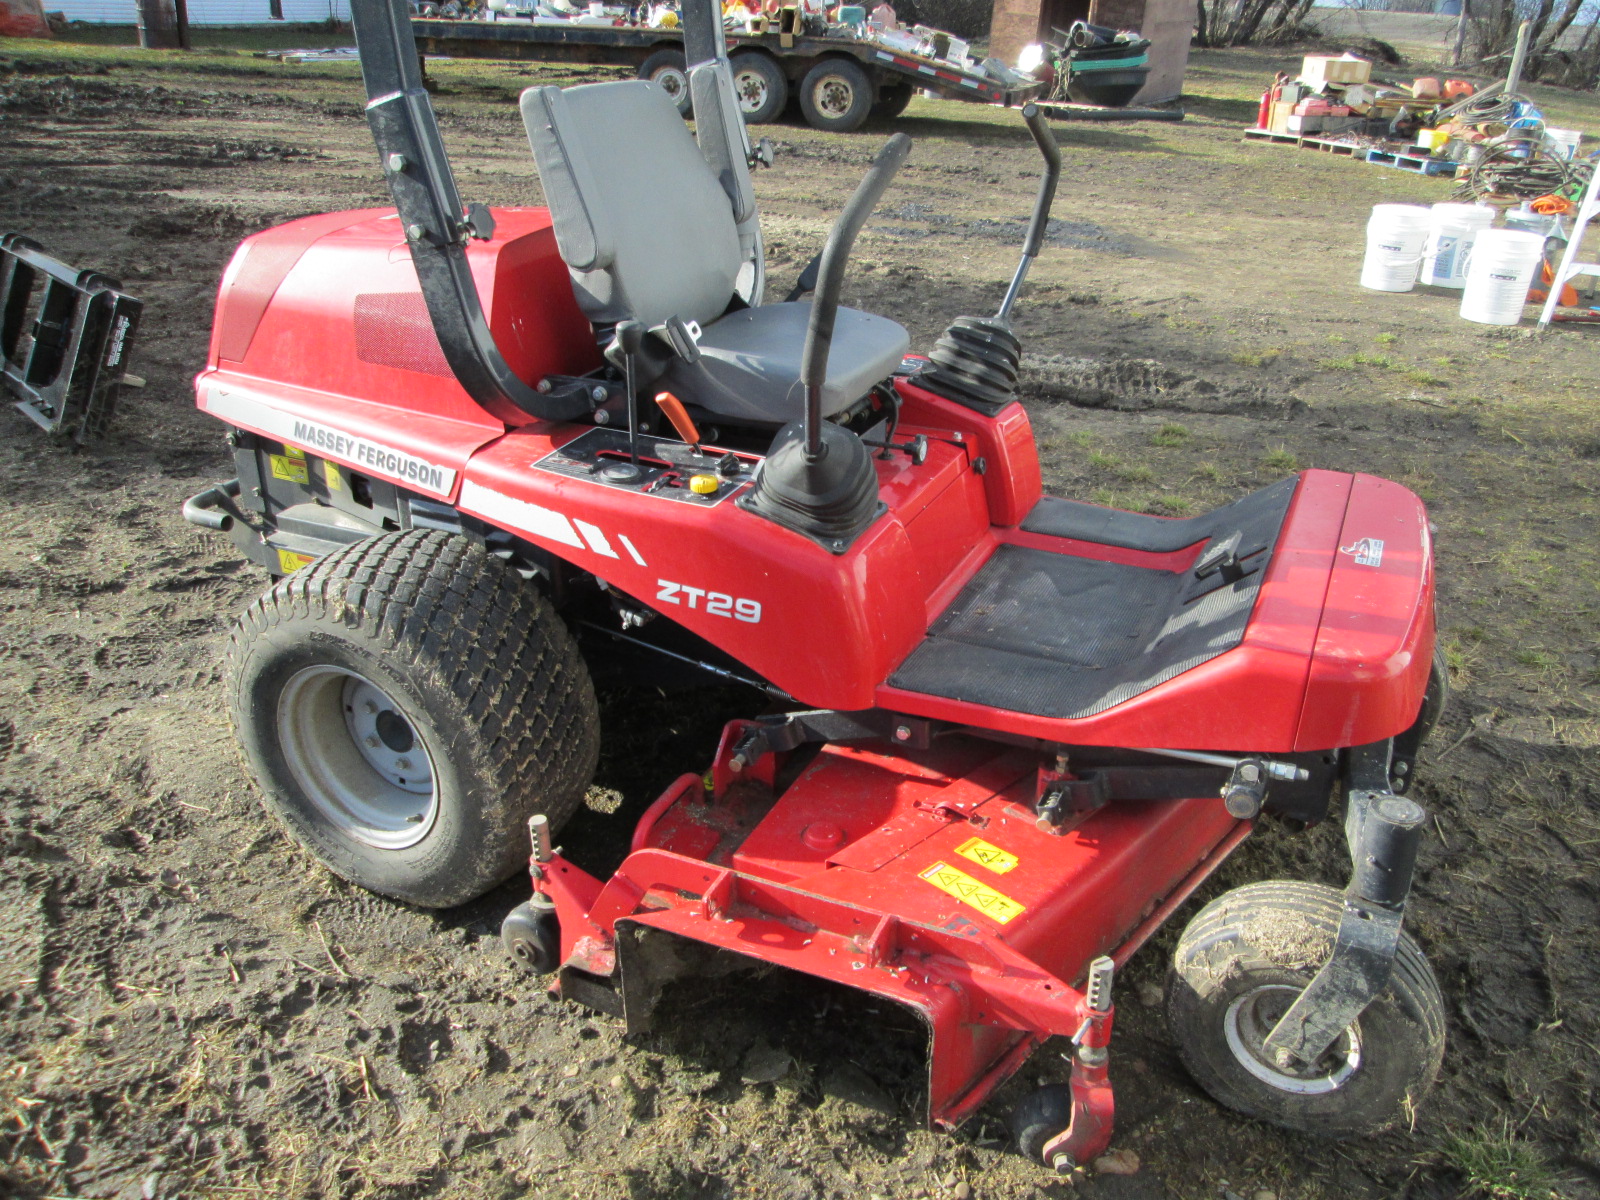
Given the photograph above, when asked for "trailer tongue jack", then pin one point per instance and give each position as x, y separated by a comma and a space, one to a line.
1018, 731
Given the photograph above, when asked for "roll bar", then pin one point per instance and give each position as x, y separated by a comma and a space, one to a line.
436, 226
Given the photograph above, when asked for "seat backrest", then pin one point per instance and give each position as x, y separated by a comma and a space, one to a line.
720, 133
642, 221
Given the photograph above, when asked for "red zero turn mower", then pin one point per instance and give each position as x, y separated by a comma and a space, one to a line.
1014, 732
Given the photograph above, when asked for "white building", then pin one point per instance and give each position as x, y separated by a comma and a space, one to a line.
207, 12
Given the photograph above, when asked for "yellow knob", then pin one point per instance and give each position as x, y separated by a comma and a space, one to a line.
703, 485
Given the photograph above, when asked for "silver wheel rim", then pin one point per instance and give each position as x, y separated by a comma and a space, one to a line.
1252, 1016
358, 757
672, 81
751, 87
832, 96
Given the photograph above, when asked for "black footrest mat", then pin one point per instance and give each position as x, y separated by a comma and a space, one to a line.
1055, 635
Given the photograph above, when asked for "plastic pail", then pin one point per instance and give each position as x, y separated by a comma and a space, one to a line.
1395, 236
1452, 229
1504, 265
1563, 142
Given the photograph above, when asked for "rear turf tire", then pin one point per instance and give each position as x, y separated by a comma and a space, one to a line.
1238, 967
406, 704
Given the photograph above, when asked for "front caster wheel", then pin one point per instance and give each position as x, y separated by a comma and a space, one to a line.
531, 936
1041, 1116
1239, 966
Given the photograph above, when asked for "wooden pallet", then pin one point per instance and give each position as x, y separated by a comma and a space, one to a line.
1412, 162
1304, 141
1382, 158
1276, 139
1330, 147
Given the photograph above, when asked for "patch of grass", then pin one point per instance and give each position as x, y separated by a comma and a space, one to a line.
1210, 472
1359, 359
1424, 378
1257, 358
1280, 458
1081, 437
1104, 461
1541, 661
1170, 435
1387, 339
1498, 1165
1137, 473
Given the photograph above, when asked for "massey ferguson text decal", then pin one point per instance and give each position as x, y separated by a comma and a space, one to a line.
374, 457
380, 459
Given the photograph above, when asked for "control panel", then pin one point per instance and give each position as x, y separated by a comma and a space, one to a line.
667, 468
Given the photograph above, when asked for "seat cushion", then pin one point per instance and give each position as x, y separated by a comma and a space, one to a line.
749, 368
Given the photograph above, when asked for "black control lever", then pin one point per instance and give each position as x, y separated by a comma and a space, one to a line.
627, 344
1039, 223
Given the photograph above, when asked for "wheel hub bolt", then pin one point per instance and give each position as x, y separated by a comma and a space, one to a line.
372, 740
403, 763
372, 709
1285, 1059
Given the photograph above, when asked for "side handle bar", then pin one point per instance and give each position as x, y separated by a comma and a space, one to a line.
830, 279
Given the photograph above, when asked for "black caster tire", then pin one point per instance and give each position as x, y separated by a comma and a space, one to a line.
405, 705
1238, 967
1041, 1116
532, 938
836, 96
762, 89
669, 71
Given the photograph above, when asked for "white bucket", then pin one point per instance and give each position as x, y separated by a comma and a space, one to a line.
1452, 229
1395, 236
1505, 262
1563, 142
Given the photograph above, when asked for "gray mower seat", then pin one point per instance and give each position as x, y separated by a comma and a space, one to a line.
749, 367
649, 231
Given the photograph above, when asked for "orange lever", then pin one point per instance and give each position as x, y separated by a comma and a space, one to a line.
679, 416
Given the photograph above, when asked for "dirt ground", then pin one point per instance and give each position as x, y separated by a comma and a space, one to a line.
190, 1007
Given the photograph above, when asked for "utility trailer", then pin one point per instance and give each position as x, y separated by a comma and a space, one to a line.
839, 82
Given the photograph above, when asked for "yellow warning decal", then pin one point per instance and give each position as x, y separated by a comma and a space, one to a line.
292, 469
987, 854
292, 562
293, 452
331, 472
956, 882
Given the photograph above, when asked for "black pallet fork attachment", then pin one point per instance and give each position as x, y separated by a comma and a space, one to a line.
69, 364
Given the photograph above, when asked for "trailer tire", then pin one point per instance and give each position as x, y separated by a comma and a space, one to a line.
836, 95
405, 705
759, 83
669, 71
892, 100
1240, 964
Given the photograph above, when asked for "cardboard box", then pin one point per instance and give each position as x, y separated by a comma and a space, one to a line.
1318, 70
1279, 120
1304, 125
